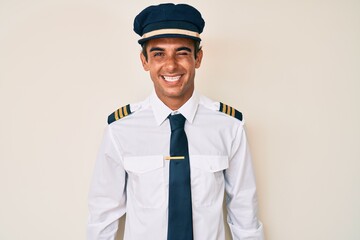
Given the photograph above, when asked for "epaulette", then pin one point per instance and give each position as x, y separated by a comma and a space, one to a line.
230, 111
119, 114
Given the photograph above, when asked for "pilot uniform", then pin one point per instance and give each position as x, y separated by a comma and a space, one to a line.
132, 160
131, 173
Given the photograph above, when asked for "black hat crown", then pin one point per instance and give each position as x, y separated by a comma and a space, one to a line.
169, 21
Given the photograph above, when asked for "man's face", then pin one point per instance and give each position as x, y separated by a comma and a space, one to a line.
171, 63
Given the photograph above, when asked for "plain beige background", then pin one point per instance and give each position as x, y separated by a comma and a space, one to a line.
292, 67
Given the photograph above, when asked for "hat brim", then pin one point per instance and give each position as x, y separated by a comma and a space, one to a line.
143, 40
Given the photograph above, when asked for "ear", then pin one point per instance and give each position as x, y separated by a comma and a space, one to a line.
198, 59
144, 62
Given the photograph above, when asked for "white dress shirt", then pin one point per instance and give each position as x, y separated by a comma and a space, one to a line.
131, 175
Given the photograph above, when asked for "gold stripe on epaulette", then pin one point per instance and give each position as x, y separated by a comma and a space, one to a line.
116, 115
121, 113
224, 108
125, 111
229, 110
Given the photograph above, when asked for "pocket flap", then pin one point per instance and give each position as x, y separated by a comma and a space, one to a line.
142, 164
209, 163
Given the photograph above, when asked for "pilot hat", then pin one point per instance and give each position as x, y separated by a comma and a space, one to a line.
169, 21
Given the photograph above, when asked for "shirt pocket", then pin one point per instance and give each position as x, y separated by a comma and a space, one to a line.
207, 179
146, 183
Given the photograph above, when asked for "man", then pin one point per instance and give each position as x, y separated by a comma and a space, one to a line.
167, 161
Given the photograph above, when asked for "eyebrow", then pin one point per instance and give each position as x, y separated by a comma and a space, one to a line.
156, 49
178, 49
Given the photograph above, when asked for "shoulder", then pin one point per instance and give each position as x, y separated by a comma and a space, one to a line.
125, 111
119, 114
230, 111
221, 108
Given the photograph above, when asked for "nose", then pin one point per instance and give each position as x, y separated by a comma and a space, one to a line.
171, 63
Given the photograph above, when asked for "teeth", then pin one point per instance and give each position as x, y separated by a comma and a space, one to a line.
171, 79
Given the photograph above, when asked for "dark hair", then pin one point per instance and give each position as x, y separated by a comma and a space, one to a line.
197, 49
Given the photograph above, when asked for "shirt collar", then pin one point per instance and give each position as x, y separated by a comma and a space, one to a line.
161, 111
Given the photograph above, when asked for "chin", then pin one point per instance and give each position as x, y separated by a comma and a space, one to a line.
173, 95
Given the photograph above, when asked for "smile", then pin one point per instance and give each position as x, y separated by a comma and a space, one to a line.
171, 78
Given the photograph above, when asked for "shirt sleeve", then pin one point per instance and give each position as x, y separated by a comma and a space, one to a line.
241, 199
107, 196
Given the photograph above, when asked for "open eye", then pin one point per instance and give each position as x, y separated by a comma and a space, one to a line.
158, 54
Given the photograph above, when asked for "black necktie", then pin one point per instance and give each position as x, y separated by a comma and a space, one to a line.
180, 225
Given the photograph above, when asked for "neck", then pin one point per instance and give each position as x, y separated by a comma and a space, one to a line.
174, 103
